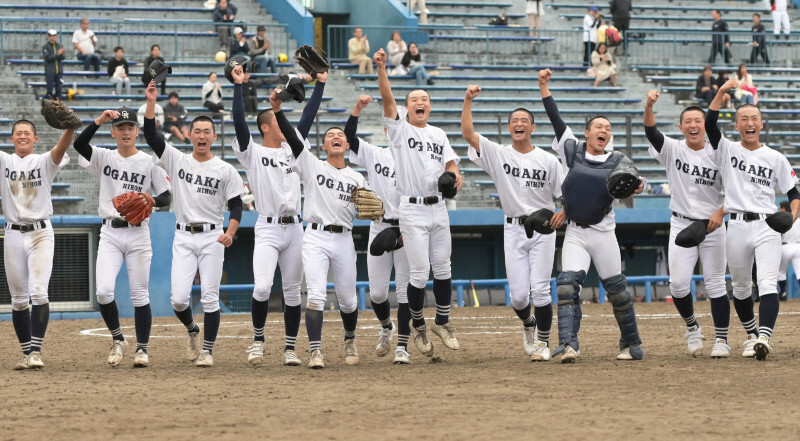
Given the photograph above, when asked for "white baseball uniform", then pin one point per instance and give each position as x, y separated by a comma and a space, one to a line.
696, 186
201, 191
780, 17
27, 206
131, 244
790, 251
526, 182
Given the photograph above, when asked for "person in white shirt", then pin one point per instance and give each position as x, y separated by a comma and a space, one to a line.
780, 18
591, 21
212, 94
85, 42
397, 49
790, 252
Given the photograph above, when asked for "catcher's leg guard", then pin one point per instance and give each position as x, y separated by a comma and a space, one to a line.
569, 284
622, 302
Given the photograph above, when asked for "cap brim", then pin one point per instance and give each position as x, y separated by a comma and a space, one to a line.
119, 123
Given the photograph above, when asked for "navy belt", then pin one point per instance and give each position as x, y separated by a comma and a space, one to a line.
195, 228
427, 200
118, 223
747, 216
25, 228
392, 222
329, 228
521, 219
685, 217
283, 220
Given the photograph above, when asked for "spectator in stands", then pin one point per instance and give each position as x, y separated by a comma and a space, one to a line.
239, 45
175, 118
85, 42
604, 66
224, 13
155, 54
412, 61
53, 55
727, 100
260, 52
759, 41
159, 118
621, 13
720, 40
535, 11
359, 50
746, 93
706, 88
397, 48
118, 72
250, 96
212, 94
422, 10
780, 18
591, 22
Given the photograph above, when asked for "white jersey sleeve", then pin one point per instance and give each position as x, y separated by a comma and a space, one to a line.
381, 174
328, 191
245, 156
234, 185
695, 180
160, 181
664, 157
785, 176
26, 186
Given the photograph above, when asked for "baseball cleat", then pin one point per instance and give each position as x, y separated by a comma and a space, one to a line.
761, 348
316, 361
385, 341
445, 332
193, 346
721, 349
634, 352
421, 341
749, 351
117, 352
529, 339
569, 355
290, 358
255, 353
204, 359
350, 352
141, 359
694, 340
30, 361
401, 356
541, 352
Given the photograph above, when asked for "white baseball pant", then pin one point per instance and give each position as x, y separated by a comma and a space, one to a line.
131, 245
781, 18
790, 253
683, 260
28, 259
748, 240
323, 250
193, 252
380, 269
278, 245
582, 246
426, 238
529, 265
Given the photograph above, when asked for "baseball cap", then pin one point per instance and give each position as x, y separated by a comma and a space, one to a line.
593, 8
126, 116
261, 28
237, 31
52, 32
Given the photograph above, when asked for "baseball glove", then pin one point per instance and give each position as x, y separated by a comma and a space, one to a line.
311, 61
134, 207
623, 181
539, 221
781, 221
368, 204
59, 116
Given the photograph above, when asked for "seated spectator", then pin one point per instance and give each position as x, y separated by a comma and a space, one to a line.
604, 66
85, 42
212, 94
396, 49
239, 45
261, 53
359, 52
224, 13
155, 54
175, 118
250, 96
747, 93
412, 61
727, 99
118, 72
159, 118
706, 88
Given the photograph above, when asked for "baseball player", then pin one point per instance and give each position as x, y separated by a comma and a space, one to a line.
696, 187
751, 173
790, 251
527, 179
381, 173
28, 245
422, 154
272, 175
328, 241
123, 170
590, 230
202, 185
780, 18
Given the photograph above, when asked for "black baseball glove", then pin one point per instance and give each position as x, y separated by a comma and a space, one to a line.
311, 61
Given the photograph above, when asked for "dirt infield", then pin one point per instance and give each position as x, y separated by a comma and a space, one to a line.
487, 390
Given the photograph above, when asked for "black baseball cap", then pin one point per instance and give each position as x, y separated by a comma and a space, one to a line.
126, 116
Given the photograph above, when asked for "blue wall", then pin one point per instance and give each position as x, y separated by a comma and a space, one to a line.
291, 13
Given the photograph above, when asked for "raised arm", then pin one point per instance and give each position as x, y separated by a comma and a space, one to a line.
312, 107
351, 127
712, 130
286, 127
82, 141
655, 137
57, 153
239, 122
467, 127
550, 104
154, 140
389, 104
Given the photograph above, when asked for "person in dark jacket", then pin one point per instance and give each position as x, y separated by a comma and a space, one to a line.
706, 87
53, 55
155, 54
621, 13
720, 40
412, 61
759, 41
224, 13
249, 95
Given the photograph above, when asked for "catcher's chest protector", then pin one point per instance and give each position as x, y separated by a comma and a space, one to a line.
586, 197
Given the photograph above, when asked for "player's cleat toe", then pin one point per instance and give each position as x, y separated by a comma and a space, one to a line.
385, 341
762, 348
350, 352
316, 361
290, 358
255, 353
141, 359
749, 351
193, 346
30, 361
541, 352
421, 341
694, 340
568, 355
721, 349
633, 352
529, 339
204, 359
401, 356
445, 332
117, 352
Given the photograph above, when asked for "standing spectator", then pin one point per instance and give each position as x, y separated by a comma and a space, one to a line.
604, 66
759, 41
359, 48
422, 10
621, 13
239, 45
780, 18
155, 54
260, 51
250, 96
535, 11
118, 72
720, 40
53, 54
175, 118
706, 89
212, 94
412, 61
85, 41
397, 49
746, 93
590, 24
224, 13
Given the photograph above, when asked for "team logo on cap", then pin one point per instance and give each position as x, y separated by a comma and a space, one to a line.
124, 114
233, 63
153, 72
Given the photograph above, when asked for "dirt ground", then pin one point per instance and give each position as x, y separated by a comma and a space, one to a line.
486, 390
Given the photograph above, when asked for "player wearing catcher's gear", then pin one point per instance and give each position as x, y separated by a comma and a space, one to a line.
28, 245
328, 240
590, 230
751, 173
422, 154
121, 171
696, 187
527, 179
381, 175
202, 184
790, 251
